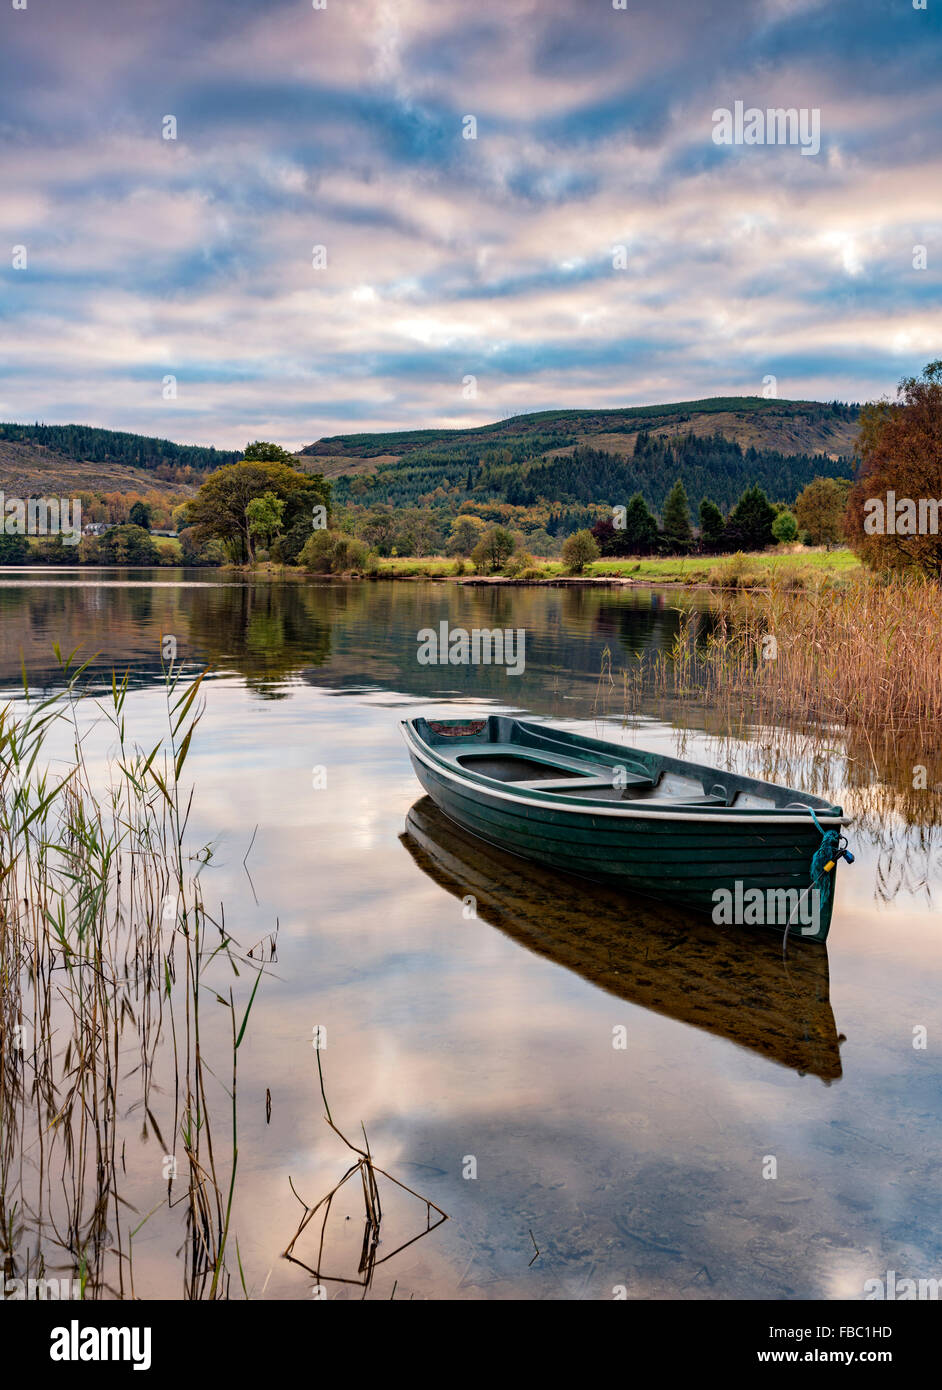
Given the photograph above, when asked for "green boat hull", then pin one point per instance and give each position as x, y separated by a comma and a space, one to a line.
709, 859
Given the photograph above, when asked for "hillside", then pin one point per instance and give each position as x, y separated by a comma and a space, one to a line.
789, 427
68, 458
31, 470
573, 459
578, 458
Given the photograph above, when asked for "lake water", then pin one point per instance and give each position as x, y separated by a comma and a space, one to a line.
477, 1049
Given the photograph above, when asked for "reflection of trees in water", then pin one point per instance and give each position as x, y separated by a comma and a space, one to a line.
114, 624
376, 626
589, 651
140, 603
638, 629
339, 633
266, 632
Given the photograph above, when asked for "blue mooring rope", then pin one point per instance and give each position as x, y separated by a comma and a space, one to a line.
833, 847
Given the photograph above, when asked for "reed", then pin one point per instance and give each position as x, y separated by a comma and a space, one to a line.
368, 1171
107, 949
861, 658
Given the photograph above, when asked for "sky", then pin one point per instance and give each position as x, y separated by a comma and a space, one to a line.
521, 204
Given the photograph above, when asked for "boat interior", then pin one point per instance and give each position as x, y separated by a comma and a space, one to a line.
555, 763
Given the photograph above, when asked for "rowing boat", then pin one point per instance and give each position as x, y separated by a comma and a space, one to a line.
746, 852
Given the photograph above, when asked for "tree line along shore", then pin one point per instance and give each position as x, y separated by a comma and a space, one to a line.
262, 512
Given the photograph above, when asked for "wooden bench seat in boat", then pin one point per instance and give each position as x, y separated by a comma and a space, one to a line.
584, 783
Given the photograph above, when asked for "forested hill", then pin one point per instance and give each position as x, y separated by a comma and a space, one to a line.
711, 467
569, 458
86, 444
790, 426
578, 458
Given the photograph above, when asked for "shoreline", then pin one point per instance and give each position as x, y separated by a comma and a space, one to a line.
550, 581
795, 569
753, 571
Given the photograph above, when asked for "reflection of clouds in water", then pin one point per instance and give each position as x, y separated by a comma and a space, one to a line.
644, 1156
642, 1168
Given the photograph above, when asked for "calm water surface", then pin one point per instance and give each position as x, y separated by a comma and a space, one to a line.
484, 1043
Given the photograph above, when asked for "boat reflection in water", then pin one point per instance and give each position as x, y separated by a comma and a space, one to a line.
731, 982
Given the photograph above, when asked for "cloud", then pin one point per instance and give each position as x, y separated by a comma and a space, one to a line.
445, 255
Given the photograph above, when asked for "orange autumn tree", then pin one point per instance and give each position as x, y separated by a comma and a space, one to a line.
894, 511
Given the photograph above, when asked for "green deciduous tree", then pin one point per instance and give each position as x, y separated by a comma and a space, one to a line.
334, 552
219, 511
464, 533
820, 509
262, 451
140, 515
127, 545
579, 550
493, 550
264, 515
14, 550
378, 529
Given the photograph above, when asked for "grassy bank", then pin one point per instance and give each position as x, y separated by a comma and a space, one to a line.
804, 568
797, 569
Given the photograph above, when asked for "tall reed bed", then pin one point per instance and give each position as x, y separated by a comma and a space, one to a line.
108, 955
865, 657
